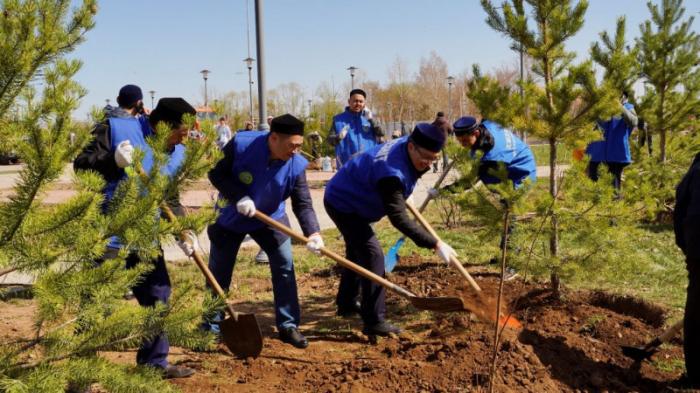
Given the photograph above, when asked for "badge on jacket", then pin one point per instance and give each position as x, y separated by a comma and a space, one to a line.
245, 177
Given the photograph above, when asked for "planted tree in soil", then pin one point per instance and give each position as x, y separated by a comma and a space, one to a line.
567, 101
80, 306
667, 56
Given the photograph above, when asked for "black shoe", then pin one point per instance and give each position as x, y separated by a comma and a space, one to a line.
383, 328
172, 372
349, 311
292, 336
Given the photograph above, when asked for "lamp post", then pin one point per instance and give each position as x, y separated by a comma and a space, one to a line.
309, 102
153, 94
352, 70
205, 74
450, 81
249, 63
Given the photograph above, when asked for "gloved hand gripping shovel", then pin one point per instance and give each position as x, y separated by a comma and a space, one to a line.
392, 256
240, 332
481, 305
441, 304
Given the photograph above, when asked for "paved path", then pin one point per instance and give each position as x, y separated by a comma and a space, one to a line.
202, 194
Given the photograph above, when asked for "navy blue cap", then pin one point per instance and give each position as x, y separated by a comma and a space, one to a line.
171, 110
429, 137
128, 95
465, 125
287, 124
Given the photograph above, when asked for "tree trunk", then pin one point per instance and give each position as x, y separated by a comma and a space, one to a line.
554, 235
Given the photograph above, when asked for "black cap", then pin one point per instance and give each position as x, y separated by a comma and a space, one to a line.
465, 125
358, 91
129, 95
428, 137
171, 110
287, 124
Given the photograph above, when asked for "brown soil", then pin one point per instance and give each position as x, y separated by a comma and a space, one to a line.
564, 346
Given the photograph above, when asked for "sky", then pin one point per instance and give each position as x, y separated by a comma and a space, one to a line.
162, 45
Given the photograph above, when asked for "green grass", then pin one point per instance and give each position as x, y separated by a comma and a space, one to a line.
541, 152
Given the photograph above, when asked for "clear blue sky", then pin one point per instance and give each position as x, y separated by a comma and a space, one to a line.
162, 45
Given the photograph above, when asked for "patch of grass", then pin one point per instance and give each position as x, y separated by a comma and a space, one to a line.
674, 365
541, 153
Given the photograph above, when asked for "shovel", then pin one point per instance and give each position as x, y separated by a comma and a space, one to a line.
392, 256
644, 352
441, 304
240, 332
482, 306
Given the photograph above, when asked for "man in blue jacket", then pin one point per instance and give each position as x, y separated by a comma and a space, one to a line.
109, 153
259, 171
614, 149
499, 146
372, 185
354, 130
686, 225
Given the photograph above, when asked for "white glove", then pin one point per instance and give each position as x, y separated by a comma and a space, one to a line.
410, 200
367, 113
343, 132
433, 193
246, 206
188, 242
123, 154
445, 252
315, 243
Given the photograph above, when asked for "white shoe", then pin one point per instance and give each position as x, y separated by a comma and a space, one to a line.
262, 257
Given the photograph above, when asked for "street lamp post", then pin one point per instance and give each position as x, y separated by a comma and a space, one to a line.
309, 102
352, 70
153, 94
205, 74
249, 63
450, 81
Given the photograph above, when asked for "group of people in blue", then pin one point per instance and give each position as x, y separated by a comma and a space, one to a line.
260, 170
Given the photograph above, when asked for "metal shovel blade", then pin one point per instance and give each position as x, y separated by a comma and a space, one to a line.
241, 335
440, 304
392, 256
637, 353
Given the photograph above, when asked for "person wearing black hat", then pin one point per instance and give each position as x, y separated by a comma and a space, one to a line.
374, 184
110, 152
259, 171
499, 146
354, 130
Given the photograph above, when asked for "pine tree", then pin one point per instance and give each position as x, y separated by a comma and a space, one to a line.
80, 310
668, 55
568, 100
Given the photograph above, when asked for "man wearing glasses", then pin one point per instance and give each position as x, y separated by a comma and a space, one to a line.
371, 185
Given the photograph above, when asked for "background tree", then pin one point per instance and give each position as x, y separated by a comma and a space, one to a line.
568, 100
81, 309
668, 55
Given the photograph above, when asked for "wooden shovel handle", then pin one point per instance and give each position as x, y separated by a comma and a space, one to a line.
200, 263
341, 260
437, 184
170, 216
455, 262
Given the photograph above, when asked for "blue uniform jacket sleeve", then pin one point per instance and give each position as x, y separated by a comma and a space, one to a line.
220, 175
303, 207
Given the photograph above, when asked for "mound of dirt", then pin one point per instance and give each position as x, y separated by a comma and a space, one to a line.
564, 346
